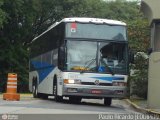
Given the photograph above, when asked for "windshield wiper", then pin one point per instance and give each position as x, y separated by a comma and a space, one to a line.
90, 63
107, 66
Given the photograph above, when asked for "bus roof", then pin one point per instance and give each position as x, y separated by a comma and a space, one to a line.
93, 20
84, 20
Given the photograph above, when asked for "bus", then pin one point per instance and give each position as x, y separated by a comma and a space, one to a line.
80, 58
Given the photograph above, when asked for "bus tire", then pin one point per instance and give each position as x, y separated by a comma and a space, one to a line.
107, 101
35, 91
57, 98
75, 100
43, 96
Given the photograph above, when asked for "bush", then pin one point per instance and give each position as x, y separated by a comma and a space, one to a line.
139, 78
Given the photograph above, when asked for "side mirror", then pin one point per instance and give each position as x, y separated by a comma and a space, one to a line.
150, 50
61, 57
131, 56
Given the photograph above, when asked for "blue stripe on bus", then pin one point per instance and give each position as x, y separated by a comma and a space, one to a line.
43, 69
43, 73
109, 78
38, 64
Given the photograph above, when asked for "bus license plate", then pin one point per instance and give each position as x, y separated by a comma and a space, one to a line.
96, 91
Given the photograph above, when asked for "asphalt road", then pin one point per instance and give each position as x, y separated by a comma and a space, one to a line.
29, 108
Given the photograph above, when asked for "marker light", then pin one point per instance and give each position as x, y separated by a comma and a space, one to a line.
119, 84
71, 81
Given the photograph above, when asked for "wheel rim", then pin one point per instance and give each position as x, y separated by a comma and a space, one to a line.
35, 90
55, 90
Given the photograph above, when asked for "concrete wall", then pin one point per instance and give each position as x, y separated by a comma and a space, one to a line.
154, 81
151, 9
157, 37
154, 68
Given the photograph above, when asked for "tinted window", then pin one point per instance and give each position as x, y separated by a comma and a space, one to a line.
96, 31
49, 41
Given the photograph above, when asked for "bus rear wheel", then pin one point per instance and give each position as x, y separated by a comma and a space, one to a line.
107, 101
35, 91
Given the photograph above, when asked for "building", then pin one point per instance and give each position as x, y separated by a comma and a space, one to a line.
151, 9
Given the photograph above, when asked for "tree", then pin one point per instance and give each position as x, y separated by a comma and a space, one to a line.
22, 20
2, 15
139, 80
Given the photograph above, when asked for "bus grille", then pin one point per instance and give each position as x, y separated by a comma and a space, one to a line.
100, 84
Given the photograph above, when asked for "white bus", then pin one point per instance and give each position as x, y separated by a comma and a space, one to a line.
80, 58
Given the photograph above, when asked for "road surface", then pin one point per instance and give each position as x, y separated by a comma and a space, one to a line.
29, 108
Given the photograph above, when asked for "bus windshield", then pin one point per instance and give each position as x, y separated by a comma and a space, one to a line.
96, 31
113, 56
92, 56
79, 53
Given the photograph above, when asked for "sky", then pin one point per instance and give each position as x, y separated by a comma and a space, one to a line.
126, 0
138, 1
133, 0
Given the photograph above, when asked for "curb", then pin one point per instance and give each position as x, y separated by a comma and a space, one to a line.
143, 110
22, 96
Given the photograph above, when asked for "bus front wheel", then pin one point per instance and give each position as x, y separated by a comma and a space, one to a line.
107, 101
75, 100
57, 98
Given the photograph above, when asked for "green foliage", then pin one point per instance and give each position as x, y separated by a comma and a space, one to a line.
139, 35
2, 15
122, 10
139, 79
22, 20
139, 41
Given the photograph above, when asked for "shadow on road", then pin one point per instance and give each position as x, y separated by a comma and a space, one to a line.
89, 103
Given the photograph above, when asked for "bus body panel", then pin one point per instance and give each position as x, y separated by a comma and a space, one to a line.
95, 91
32, 76
44, 68
46, 85
94, 85
86, 86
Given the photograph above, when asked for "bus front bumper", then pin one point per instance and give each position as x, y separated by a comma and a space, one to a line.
94, 91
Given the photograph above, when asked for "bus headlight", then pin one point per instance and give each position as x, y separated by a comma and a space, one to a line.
119, 84
71, 81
